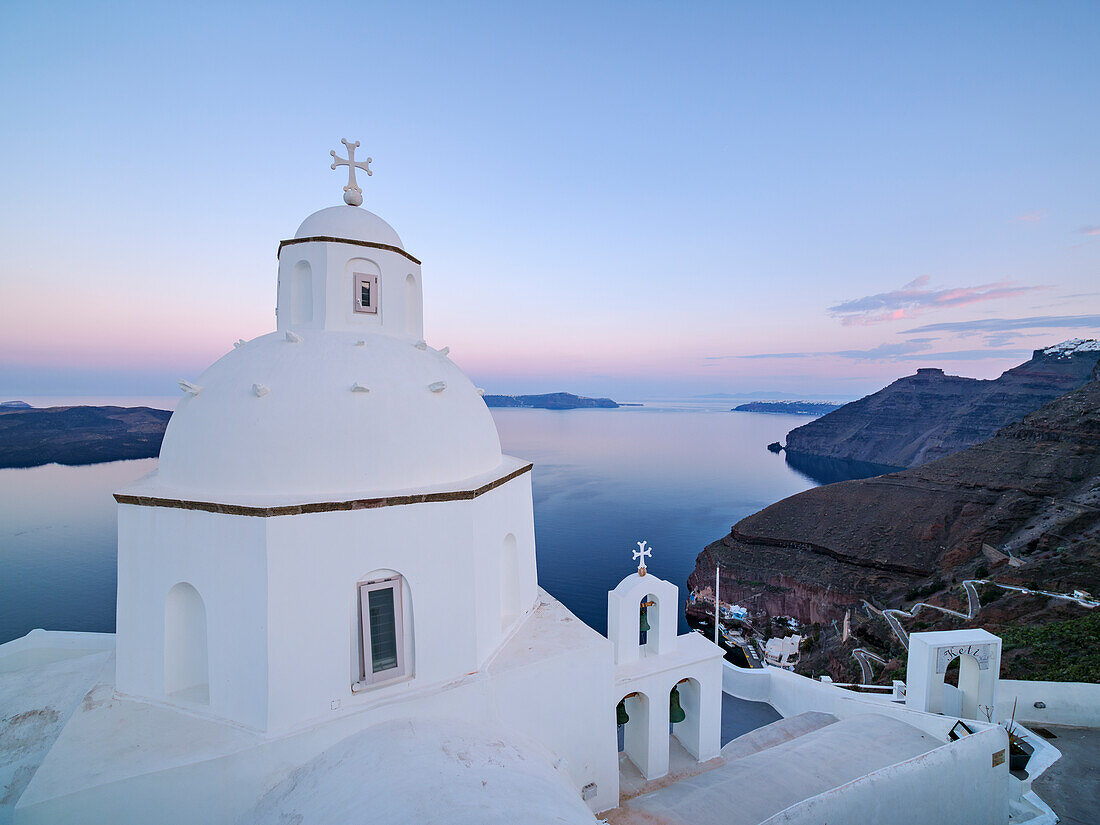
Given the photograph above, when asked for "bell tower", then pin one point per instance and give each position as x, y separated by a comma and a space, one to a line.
661, 679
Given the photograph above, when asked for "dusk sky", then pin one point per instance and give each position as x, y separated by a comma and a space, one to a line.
637, 200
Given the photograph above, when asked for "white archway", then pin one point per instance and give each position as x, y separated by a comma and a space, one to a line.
186, 658
961, 698
931, 655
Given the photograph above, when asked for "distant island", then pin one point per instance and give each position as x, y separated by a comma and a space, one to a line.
788, 407
550, 401
31, 436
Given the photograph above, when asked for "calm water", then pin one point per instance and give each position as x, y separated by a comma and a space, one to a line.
677, 475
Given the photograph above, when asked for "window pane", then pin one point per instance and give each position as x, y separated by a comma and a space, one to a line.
364, 297
383, 630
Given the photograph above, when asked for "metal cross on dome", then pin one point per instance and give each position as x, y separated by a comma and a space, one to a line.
640, 554
353, 195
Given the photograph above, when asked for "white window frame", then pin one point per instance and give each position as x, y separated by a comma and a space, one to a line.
372, 285
368, 678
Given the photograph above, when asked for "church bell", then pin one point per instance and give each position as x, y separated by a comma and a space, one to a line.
621, 717
675, 712
644, 626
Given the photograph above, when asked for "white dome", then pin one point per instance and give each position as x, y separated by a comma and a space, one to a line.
351, 222
310, 435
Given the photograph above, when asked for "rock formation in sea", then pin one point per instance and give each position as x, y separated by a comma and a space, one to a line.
929, 415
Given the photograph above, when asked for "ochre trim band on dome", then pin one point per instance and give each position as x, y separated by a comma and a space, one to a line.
326, 239
321, 506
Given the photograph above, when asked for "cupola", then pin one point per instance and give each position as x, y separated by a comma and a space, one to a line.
346, 269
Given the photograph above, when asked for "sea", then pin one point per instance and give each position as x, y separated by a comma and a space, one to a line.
676, 474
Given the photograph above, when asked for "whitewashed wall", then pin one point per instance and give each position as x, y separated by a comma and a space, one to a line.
223, 558
449, 553
1067, 703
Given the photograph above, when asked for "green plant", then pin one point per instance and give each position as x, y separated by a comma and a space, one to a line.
1065, 651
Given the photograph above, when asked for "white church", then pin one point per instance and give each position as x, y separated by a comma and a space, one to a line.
328, 612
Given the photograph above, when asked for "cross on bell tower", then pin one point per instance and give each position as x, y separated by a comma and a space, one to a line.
640, 556
353, 195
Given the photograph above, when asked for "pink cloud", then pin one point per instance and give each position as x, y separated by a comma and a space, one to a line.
1030, 217
914, 299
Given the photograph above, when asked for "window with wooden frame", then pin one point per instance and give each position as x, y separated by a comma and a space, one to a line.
381, 635
366, 292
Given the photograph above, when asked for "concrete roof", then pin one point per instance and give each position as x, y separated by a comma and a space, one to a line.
41, 684
748, 790
63, 730
424, 771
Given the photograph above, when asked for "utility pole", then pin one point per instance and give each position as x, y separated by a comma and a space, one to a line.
717, 601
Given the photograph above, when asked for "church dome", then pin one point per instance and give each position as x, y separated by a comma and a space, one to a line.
327, 415
351, 223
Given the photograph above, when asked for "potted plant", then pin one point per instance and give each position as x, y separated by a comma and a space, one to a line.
1019, 751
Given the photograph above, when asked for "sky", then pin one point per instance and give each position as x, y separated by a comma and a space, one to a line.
639, 200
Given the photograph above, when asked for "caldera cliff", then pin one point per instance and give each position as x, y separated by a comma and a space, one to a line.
1021, 508
929, 415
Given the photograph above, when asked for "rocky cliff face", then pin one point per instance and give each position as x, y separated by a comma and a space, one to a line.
930, 415
1031, 491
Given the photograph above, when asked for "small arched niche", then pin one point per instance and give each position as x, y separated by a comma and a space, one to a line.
301, 293
186, 660
509, 582
413, 311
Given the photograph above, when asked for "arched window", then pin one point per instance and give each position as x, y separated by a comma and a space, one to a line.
384, 649
186, 667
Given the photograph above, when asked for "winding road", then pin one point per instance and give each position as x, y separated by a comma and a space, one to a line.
973, 605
